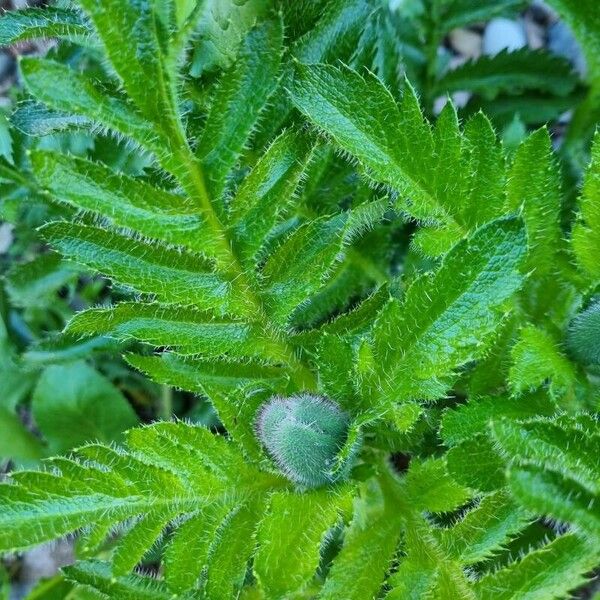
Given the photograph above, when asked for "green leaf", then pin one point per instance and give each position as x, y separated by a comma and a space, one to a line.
301, 264
187, 330
563, 447
133, 39
476, 464
98, 576
561, 498
291, 536
236, 390
205, 376
444, 319
171, 467
15, 441
73, 404
126, 202
217, 45
369, 547
135, 543
430, 487
36, 119
511, 72
49, 22
336, 31
333, 34
534, 188
231, 551
267, 192
393, 142
336, 364
64, 348
238, 102
533, 108
485, 529
472, 418
536, 359
189, 549
485, 172
35, 283
171, 275
548, 572
65, 90
586, 232
427, 571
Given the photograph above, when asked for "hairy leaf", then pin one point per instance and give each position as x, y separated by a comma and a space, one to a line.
443, 320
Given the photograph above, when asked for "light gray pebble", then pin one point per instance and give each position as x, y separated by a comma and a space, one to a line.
561, 41
503, 34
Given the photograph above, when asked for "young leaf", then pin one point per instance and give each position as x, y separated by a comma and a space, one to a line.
238, 101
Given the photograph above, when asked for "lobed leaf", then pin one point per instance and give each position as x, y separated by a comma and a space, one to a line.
125, 201
169, 274
238, 101
444, 319
548, 572
187, 330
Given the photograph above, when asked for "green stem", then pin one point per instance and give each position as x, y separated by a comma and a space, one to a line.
165, 409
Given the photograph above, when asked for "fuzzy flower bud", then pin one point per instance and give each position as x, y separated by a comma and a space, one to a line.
304, 435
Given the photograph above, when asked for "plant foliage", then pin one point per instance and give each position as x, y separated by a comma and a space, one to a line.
395, 420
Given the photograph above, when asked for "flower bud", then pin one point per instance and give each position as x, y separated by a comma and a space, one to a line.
583, 337
304, 435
